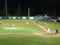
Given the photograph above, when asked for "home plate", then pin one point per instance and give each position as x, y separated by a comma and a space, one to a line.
11, 28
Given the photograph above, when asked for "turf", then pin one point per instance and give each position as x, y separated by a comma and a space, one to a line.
21, 29
51, 25
28, 39
17, 20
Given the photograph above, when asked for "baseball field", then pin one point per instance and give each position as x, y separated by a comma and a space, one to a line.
28, 32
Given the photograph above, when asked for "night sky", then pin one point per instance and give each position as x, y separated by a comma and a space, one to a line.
36, 6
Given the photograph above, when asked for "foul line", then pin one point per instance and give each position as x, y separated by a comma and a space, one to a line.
41, 27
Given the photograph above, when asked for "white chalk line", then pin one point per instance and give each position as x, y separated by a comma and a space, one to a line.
11, 28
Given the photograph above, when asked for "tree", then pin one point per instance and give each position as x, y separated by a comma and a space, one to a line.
18, 10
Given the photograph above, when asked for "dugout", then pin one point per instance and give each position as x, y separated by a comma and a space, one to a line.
0, 17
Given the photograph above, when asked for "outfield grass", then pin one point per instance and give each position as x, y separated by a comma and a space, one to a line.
17, 20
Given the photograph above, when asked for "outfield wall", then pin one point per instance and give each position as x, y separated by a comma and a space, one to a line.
16, 17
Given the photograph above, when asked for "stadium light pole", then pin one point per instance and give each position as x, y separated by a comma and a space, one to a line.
6, 8
28, 12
